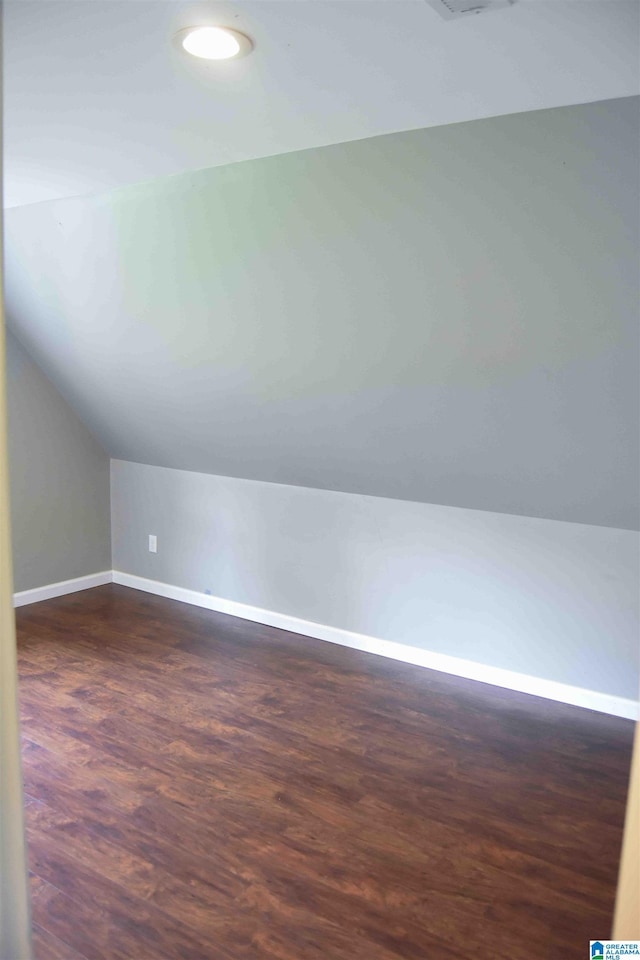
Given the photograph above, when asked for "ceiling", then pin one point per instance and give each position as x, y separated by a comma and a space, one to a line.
96, 96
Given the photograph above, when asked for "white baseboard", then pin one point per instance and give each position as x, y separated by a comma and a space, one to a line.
51, 590
508, 679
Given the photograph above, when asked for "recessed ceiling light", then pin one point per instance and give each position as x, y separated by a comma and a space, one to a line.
214, 43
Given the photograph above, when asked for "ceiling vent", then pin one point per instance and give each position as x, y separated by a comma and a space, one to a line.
452, 9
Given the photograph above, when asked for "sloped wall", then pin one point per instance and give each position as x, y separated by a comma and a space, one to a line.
446, 315
59, 479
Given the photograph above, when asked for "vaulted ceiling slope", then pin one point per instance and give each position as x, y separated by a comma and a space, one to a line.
96, 96
446, 315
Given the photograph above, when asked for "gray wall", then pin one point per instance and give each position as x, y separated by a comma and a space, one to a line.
446, 315
553, 600
59, 478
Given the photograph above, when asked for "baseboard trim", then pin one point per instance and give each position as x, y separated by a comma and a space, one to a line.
470, 670
51, 590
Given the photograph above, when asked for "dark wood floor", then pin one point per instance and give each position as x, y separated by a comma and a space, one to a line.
203, 787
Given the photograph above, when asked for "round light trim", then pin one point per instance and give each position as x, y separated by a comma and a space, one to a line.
214, 43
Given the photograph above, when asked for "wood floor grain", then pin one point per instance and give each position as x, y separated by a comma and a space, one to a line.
204, 788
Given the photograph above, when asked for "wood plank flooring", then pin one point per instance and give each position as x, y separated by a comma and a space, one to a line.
204, 788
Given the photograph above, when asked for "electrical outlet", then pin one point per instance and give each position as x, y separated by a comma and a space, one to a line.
153, 543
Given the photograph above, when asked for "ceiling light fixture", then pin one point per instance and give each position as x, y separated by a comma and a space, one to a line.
214, 43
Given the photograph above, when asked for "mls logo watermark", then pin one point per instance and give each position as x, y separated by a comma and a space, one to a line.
613, 949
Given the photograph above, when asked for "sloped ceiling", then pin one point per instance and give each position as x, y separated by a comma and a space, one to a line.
445, 315
96, 96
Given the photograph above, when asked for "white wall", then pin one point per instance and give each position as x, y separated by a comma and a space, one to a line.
550, 599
